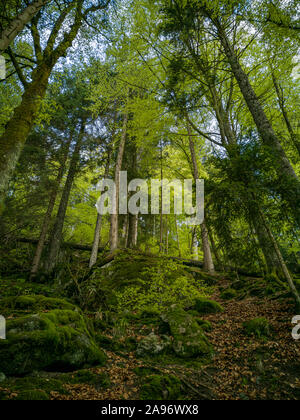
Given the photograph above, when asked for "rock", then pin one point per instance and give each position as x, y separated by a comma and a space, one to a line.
205, 325
259, 327
161, 387
228, 294
189, 339
153, 345
55, 340
34, 303
206, 306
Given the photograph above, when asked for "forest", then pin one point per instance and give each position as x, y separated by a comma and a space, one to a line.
108, 291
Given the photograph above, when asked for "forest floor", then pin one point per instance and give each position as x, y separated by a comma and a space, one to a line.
243, 367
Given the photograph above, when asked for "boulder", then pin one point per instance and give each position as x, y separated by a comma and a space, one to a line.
206, 306
55, 340
189, 339
153, 344
33, 303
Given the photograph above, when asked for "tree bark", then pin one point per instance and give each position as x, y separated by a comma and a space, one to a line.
215, 249
133, 231
194, 247
114, 229
19, 126
56, 235
18, 24
48, 214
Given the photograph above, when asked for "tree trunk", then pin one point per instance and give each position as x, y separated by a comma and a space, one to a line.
215, 249
19, 126
267, 247
208, 261
97, 234
161, 227
167, 236
56, 235
48, 214
114, 229
194, 247
177, 237
290, 185
133, 230
281, 261
18, 24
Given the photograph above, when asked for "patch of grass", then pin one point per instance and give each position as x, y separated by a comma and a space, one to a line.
258, 327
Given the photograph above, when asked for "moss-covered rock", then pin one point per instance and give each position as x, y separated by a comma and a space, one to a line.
206, 306
32, 395
56, 340
258, 327
32, 388
189, 339
161, 387
33, 303
85, 376
228, 294
205, 325
137, 281
154, 344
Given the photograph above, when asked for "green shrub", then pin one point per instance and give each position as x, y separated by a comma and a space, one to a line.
258, 327
228, 294
206, 306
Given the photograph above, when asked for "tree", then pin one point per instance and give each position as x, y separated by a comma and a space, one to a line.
19, 126
8, 34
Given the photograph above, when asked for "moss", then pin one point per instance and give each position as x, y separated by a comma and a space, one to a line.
154, 344
205, 306
143, 371
98, 380
34, 303
205, 325
198, 274
161, 387
56, 340
138, 281
32, 395
16, 286
258, 327
31, 388
238, 285
189, 339
228, 294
